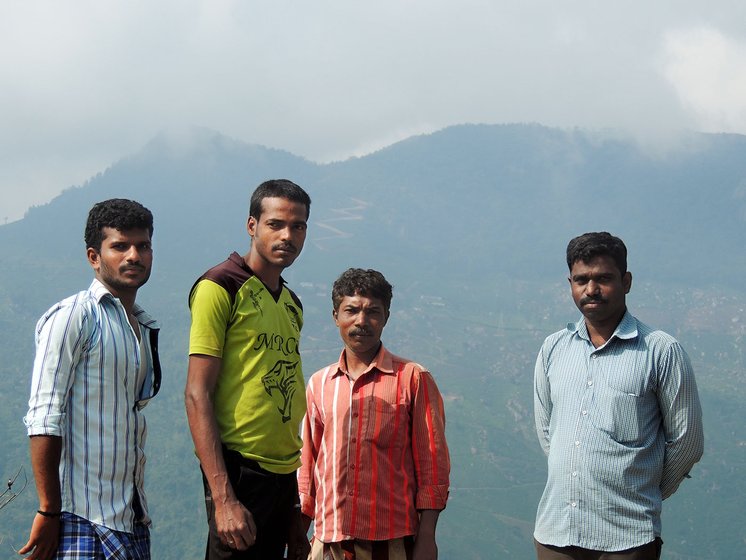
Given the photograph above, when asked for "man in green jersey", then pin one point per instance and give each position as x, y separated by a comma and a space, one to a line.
245, 395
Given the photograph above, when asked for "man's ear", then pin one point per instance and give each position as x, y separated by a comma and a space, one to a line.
627, 281
251, 226
93, 257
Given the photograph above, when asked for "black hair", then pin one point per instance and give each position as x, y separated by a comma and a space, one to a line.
117, 213
279, 188
586, 247
358, 281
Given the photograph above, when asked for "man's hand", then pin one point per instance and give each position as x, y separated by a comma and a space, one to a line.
425, 548
44, 538
298, 546
235, 525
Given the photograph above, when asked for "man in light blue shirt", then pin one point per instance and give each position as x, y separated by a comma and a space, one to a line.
96, 367
617, 413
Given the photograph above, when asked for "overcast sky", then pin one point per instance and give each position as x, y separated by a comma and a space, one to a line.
85, 83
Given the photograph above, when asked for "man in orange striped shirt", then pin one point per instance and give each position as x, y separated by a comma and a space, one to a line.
375, 470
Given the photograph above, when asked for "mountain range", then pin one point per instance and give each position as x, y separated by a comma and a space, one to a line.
470, 224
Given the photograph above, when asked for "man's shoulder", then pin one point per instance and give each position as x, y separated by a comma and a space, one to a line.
319, 375
233, 269
405, 364
653, 337
567, 333
230, 274
81, 302
77, 308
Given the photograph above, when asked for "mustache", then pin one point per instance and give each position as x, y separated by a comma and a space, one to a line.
132, 267
593, 299
359, 331
284, 247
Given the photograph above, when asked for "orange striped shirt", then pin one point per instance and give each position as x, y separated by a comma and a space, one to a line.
374, 450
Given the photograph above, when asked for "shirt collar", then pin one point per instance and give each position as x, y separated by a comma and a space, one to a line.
100, 292
383, 362
625, 330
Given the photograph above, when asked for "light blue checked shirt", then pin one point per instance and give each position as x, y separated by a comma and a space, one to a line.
90, 381
621, 425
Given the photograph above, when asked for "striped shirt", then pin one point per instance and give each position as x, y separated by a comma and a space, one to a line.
621, 425
374, 450
88, 387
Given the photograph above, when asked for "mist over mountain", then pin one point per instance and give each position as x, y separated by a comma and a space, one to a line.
470, 224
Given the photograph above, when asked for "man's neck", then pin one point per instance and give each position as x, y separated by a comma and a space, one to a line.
268, 274
358, 364
600, 333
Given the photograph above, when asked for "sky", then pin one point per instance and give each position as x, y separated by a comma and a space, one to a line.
84, 84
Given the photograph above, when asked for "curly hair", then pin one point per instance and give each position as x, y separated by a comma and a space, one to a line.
588, 246
278, 188
117, 213
358, 281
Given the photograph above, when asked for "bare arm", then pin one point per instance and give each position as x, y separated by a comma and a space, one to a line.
425, 547
235, 523
45, 531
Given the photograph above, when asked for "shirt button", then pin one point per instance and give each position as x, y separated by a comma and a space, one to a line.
584, 412
574, 504
590, 383
575, 473
353, 440
577, 443
352, 467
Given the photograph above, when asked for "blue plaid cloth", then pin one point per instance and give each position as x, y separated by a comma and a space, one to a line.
82, 540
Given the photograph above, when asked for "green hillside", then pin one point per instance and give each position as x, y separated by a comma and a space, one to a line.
470, 225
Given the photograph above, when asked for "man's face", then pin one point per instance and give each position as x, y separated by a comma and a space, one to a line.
599, 289
279, 233
361, 320
123, 264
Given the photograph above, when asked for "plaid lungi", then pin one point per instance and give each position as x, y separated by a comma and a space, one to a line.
82, 540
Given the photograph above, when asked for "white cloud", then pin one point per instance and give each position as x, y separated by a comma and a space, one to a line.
707, 69
83, 83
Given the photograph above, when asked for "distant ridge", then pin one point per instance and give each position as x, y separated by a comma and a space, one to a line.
470, 224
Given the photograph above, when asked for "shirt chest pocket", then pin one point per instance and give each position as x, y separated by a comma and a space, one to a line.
618, 411
387, 424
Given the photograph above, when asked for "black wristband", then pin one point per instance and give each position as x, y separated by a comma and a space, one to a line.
48, 513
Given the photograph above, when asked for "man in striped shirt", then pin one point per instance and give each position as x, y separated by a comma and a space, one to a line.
617, 413
96, 367
375, 465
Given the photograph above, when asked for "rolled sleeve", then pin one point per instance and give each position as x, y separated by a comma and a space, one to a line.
429, 448
311, 433
60, 338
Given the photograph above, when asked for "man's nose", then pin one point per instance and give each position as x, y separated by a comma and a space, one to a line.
133, 254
